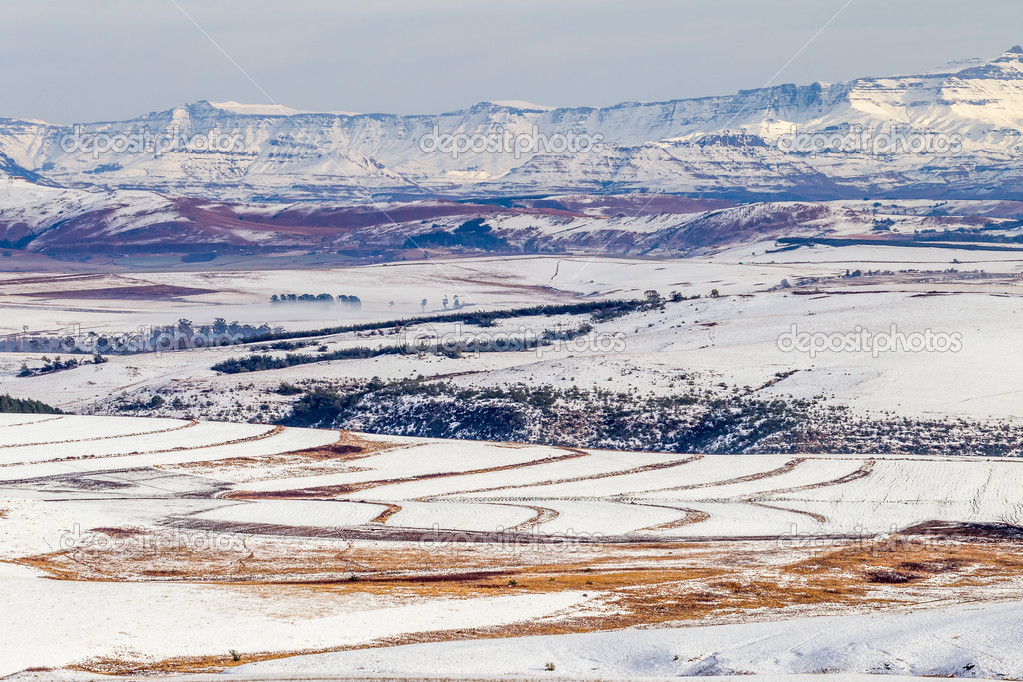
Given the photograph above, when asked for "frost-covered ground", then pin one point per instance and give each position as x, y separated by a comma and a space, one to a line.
480, 487
178, 542
732, 339
958, 641
198, 527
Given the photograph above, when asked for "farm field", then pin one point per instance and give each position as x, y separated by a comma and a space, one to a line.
589, 504
211, 538
715, 344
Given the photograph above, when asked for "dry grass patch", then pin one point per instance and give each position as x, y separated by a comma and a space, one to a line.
621, 585
904, 560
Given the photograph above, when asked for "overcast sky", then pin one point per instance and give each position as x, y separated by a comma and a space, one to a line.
72, 61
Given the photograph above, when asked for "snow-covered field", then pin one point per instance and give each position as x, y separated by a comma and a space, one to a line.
733, 339
179, 541
953, 641
202, 528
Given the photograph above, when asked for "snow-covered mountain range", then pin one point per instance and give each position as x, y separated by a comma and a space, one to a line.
907, 157
956, 133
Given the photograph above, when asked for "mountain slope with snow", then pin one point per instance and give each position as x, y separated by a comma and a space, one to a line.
75, 224
961, 131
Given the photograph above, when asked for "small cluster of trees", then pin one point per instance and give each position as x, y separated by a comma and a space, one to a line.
154, 403
869, 273
446, 302
57, 365
345, 300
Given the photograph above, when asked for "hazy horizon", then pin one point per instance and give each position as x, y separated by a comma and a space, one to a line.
401, 57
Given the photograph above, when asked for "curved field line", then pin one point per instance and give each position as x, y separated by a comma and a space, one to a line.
692, 516
345, 489
865, 470
592, 477
41, 421
749, 478
277, 430
188, 425
543, 515
820, 518
975, 502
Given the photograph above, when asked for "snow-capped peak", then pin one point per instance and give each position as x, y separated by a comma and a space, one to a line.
521, 104
256, 109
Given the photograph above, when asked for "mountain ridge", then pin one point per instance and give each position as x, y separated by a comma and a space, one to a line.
286, 154
281, 154
675, 178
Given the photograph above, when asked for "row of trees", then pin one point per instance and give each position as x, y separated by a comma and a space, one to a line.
323, 299
180, 336
351, 302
